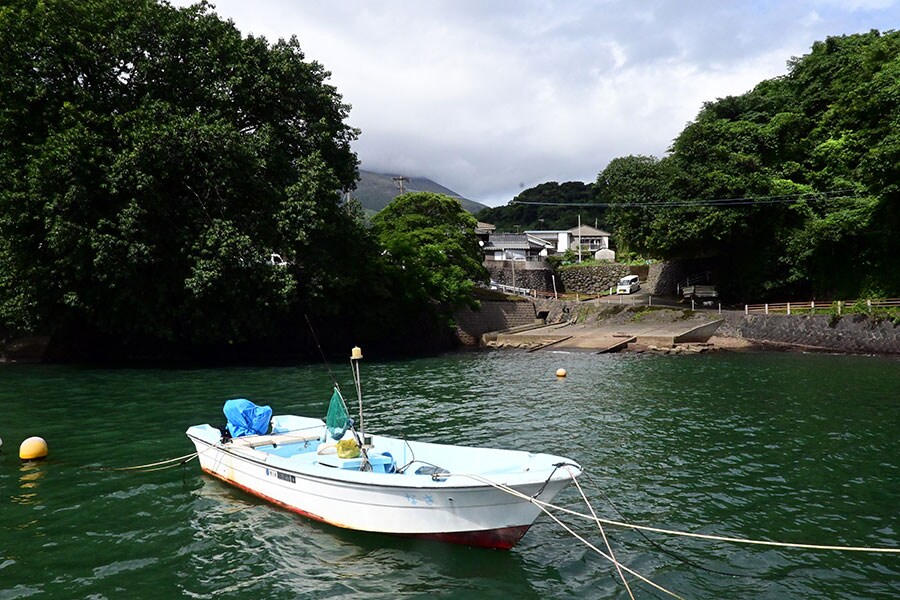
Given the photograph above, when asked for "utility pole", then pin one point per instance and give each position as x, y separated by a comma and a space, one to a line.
579, 238
399, 181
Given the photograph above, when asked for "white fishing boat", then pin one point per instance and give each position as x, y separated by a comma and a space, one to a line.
327, 471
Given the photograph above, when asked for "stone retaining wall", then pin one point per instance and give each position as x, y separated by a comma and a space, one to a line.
535, 279
663, 277
855, 334
594, 279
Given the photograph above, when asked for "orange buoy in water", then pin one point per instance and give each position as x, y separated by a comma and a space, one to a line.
34, 448
561, 373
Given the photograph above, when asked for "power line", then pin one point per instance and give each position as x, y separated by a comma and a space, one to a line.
756, 200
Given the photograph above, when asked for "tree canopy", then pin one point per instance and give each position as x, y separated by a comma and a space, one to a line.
431, 250
151, 159
811, 165
518, 215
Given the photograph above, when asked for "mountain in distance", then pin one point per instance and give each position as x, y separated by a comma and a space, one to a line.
375, 191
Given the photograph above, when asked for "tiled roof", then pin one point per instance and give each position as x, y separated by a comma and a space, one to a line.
514, 241
588, 231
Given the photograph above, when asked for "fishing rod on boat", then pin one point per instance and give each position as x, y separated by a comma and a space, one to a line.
355, 357
312, 330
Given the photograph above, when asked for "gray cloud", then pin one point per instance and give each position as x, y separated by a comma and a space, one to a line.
487, 97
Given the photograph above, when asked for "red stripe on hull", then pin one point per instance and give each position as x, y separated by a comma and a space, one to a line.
503, 538
498, 539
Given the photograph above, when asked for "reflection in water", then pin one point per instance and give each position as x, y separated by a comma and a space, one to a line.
302, 556
29, 481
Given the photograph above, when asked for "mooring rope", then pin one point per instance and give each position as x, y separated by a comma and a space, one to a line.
662, 548
603, 554
167, 464
702, 536
602, 532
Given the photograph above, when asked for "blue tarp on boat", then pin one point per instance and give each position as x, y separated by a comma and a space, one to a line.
246, 418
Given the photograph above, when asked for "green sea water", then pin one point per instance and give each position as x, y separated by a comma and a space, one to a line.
788, 447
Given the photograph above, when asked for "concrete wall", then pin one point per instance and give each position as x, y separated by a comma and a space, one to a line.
855, 334
493, 316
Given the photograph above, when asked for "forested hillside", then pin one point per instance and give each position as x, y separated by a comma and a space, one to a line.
793, 187
536, 208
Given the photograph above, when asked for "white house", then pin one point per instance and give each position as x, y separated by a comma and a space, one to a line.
593, 242
515, 246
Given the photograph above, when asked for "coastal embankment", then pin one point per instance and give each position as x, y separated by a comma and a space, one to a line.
600, 327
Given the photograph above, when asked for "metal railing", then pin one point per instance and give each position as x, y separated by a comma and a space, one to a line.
509, 289
694, 279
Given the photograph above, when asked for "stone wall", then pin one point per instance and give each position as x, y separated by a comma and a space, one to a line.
535, 279
594, 279
493, 316
856, 334
663, 277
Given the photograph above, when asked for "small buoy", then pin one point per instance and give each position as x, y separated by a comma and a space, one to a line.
561, 373
34, 448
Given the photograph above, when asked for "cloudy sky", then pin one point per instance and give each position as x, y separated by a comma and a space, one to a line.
489, 97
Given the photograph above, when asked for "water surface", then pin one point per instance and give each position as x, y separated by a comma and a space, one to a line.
790, 447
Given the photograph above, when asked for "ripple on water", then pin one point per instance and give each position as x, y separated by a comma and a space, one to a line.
784, 447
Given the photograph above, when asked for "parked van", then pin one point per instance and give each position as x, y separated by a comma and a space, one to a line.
628, 285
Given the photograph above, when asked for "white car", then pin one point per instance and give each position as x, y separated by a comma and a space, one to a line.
628, 285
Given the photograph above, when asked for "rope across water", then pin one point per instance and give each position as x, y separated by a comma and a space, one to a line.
155, 466
702, 536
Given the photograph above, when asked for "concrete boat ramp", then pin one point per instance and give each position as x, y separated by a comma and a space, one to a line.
604, 337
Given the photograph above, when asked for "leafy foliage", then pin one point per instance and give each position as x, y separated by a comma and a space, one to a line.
826, 136
430, 249
517, 216
150, 161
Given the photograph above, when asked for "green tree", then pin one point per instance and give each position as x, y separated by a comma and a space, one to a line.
430, 250
823, 136
151, 159
629, 181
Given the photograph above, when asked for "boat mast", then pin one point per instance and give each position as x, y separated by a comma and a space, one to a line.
355, 357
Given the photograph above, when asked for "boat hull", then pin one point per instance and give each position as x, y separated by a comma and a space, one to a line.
459, 508
502, 538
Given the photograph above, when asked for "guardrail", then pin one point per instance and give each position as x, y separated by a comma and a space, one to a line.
606, 297
509, 289
833, 307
